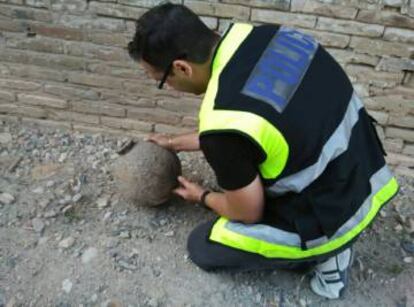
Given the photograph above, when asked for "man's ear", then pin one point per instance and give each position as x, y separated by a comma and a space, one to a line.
181, 67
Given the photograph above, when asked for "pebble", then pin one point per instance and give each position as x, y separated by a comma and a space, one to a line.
127, 266
6, 198
169, 233
50, 214
107, 216
408, 259
43, 240
77, 197
63, 157
94, 298
102, 202
5, 138
38, 225
65, 200
43, 203
67, 242
67, 286
50, 184
67, 208
38, 190
398, 227
125, 234
89, 254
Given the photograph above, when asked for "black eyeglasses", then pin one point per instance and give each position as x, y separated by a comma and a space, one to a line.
165, 76
168, 71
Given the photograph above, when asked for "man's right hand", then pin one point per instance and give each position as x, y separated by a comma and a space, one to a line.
162, 140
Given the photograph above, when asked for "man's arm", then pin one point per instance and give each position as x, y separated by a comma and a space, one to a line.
181, 142
245, 204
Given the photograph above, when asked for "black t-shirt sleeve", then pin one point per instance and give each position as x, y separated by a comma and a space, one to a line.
233, 157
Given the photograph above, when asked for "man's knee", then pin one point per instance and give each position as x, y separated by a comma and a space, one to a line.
197, 246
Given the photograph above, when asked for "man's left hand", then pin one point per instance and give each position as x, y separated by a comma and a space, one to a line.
188, 190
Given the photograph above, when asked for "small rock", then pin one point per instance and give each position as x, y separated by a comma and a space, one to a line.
127, 266
63, 157
67, 242
398, 228
102, 202
107, 216
94, 298
169, 233
49, 214
38, 190
44, 203
5, 138
408, 259
76, 198
67, 286
125, 234
6, 198
153, 302
89, 254
11, 302
43, 240
50, 184
38, 225
67, 208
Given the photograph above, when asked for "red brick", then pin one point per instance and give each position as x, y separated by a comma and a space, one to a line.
36, 72
17, 12
387, 18
128, 124
43, 101
93, 107
75, 117
48, 123
116, 10
19, 84
95, 80
161, 128
71, 91
57, 32
7, 96
154, 115
35, 44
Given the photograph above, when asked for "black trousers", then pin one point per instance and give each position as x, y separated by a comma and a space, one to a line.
209, 255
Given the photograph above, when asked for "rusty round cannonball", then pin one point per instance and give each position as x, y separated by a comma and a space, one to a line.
146, 174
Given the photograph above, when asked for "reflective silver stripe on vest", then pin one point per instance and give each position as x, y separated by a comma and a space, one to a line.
277, 236
377, 181
336, 145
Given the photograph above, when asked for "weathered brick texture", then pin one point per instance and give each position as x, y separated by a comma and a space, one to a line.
64, 63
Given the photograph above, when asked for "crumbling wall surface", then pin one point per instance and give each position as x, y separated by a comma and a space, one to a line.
64, 63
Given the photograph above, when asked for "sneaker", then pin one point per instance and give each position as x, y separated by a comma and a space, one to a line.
331, 277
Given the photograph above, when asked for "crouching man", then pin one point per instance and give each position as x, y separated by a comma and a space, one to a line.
292, 146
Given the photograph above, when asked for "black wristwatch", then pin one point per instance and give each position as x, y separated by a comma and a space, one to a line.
203, 198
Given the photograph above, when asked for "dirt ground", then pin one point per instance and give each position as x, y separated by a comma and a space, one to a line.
67, 239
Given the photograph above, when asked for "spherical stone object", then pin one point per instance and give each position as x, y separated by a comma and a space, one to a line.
147, 174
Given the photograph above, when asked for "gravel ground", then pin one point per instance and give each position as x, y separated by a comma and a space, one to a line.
67, 239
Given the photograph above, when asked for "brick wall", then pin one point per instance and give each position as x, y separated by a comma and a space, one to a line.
63, 62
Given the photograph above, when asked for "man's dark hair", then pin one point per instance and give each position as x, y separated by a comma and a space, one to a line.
168, 32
